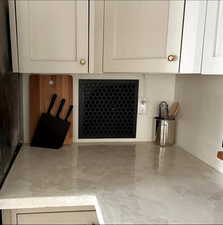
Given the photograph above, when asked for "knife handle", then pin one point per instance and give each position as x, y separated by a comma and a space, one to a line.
60, 108
52, 101
69, 112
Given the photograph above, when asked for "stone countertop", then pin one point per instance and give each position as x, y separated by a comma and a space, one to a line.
127, 183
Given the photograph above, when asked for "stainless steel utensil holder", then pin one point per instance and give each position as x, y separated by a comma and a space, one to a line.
164, 131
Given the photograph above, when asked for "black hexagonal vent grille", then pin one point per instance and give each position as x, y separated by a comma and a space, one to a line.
108, 108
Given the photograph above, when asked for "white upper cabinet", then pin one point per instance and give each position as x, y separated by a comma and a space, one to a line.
136, 36
142, 36
52, 36
193, 36
213, 41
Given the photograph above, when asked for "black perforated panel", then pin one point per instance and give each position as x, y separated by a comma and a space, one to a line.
108, 108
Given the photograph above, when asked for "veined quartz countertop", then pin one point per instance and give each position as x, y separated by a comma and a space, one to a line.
127, 183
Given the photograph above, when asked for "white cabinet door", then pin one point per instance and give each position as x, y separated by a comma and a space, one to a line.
213, 41
52, 36
193, 36
140, 35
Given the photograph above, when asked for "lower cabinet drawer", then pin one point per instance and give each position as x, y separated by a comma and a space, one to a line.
69, 217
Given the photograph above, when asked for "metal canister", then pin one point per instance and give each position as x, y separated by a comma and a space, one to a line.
164, 131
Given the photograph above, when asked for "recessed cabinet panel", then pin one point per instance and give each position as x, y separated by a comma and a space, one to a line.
43, 30
82, 217
52, 36
131, 39
213, 42
140, 35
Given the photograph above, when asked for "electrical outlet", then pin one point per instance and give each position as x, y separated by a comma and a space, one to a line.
142, 109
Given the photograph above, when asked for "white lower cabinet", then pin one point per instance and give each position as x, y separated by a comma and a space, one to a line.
66, 215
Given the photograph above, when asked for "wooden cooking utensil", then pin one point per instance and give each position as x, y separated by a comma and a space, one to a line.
220, 155
174, 109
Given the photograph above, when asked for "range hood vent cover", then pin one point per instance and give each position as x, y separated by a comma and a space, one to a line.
108, 108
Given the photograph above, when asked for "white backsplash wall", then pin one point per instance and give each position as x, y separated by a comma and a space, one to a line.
158, 88
200, 124
154, 88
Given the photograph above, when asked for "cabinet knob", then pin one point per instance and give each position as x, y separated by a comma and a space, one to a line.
82, 62
172, 58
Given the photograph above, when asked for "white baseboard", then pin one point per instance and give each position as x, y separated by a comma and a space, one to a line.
107, 140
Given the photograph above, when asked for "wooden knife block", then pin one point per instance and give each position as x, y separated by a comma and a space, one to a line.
42, 87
